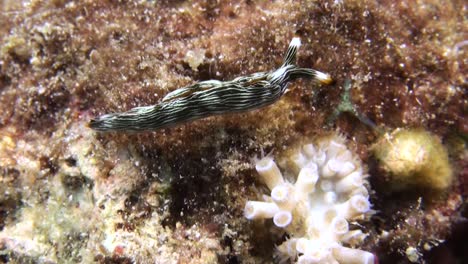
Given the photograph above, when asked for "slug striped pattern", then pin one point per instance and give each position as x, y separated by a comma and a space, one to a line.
212, 97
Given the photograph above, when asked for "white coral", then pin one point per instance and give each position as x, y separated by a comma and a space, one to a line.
328, 193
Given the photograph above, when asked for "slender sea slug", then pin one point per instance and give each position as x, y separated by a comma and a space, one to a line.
213, 97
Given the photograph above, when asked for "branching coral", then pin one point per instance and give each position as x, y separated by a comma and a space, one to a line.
328, 193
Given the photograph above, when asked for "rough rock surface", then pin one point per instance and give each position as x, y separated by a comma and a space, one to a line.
176, 195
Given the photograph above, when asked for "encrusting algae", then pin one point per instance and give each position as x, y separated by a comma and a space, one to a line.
177, 195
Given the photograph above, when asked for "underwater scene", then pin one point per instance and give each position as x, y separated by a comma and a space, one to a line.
243, 131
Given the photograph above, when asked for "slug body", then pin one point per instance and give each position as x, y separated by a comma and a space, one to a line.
212, 97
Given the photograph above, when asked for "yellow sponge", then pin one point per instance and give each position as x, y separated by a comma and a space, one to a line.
414, 157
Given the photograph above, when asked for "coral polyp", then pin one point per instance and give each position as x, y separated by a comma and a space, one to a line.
329, 192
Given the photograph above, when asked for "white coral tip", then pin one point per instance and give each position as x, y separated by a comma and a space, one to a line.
320, 158
309, 150
339, 225
289, 247
335, 148
353, 256
353, 237
330, 198
307, 260
269, 172
361, 190
306, 180
300, 160
280, 194
360, 204
315, 256
259, 210
282, 219
302, 244
345, 169
357, 205
326, 185
350, 182
331, 168
345, 155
